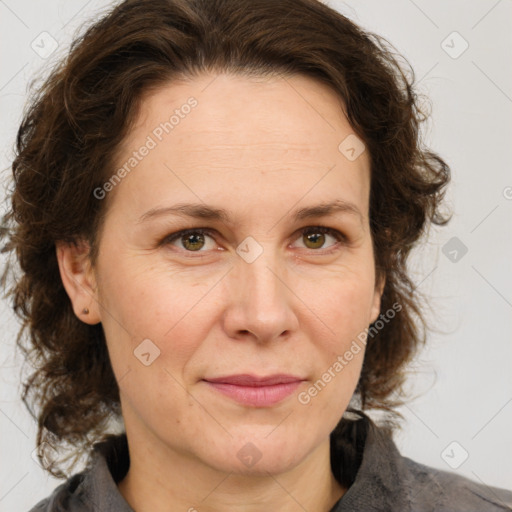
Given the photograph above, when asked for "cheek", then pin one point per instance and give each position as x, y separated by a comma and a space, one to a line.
154, 325
343, 303
344, 311
142, 302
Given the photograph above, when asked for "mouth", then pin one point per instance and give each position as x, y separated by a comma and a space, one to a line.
255, 391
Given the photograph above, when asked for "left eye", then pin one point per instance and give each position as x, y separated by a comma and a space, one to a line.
193, 240
316, 236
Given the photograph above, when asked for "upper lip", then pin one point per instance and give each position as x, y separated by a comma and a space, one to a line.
255, 380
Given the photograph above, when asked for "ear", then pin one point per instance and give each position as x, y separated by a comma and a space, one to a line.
79, 280
377, 295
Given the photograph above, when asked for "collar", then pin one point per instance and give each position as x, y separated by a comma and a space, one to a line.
110, 462
378, 482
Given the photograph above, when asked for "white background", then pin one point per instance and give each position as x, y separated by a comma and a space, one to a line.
463, 380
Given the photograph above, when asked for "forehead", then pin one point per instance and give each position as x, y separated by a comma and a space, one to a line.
231, 132
297, 105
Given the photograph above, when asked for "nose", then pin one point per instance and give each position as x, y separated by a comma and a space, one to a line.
261, 303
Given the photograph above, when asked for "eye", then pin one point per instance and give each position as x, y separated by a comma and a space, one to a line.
194, 240
315, 237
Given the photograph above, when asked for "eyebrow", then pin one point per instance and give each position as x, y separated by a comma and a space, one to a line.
205, 212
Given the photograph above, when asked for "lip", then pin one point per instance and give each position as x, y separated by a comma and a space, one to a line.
256, 391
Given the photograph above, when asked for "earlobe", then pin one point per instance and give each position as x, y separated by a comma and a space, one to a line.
79, 280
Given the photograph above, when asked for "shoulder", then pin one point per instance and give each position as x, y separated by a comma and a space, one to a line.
95, 487
450, 491
387, 481
68, 496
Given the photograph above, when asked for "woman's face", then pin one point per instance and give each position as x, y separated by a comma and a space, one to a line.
261, 292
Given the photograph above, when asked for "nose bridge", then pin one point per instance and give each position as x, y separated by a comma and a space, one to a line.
263, 279
261, 297
260, 278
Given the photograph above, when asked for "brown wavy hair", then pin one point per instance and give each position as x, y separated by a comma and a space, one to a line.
78, 117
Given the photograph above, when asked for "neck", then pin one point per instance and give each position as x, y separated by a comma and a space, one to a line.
160, 480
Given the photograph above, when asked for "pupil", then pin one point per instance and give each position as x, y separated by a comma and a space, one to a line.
193, 239
315, 238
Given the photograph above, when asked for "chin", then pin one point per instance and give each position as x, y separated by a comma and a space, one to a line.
259, 455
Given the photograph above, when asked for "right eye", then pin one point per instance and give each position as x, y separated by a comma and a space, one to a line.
191, 240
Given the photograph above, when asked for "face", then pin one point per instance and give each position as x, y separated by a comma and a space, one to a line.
272, 286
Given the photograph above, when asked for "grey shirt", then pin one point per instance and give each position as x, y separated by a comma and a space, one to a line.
383, 480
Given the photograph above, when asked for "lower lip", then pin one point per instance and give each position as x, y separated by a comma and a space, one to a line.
257, 396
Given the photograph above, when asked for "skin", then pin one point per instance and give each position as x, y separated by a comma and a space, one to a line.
260, 148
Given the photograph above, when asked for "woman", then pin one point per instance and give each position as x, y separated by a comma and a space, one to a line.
213, 245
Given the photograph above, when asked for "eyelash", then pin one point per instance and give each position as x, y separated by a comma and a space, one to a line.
340, 237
